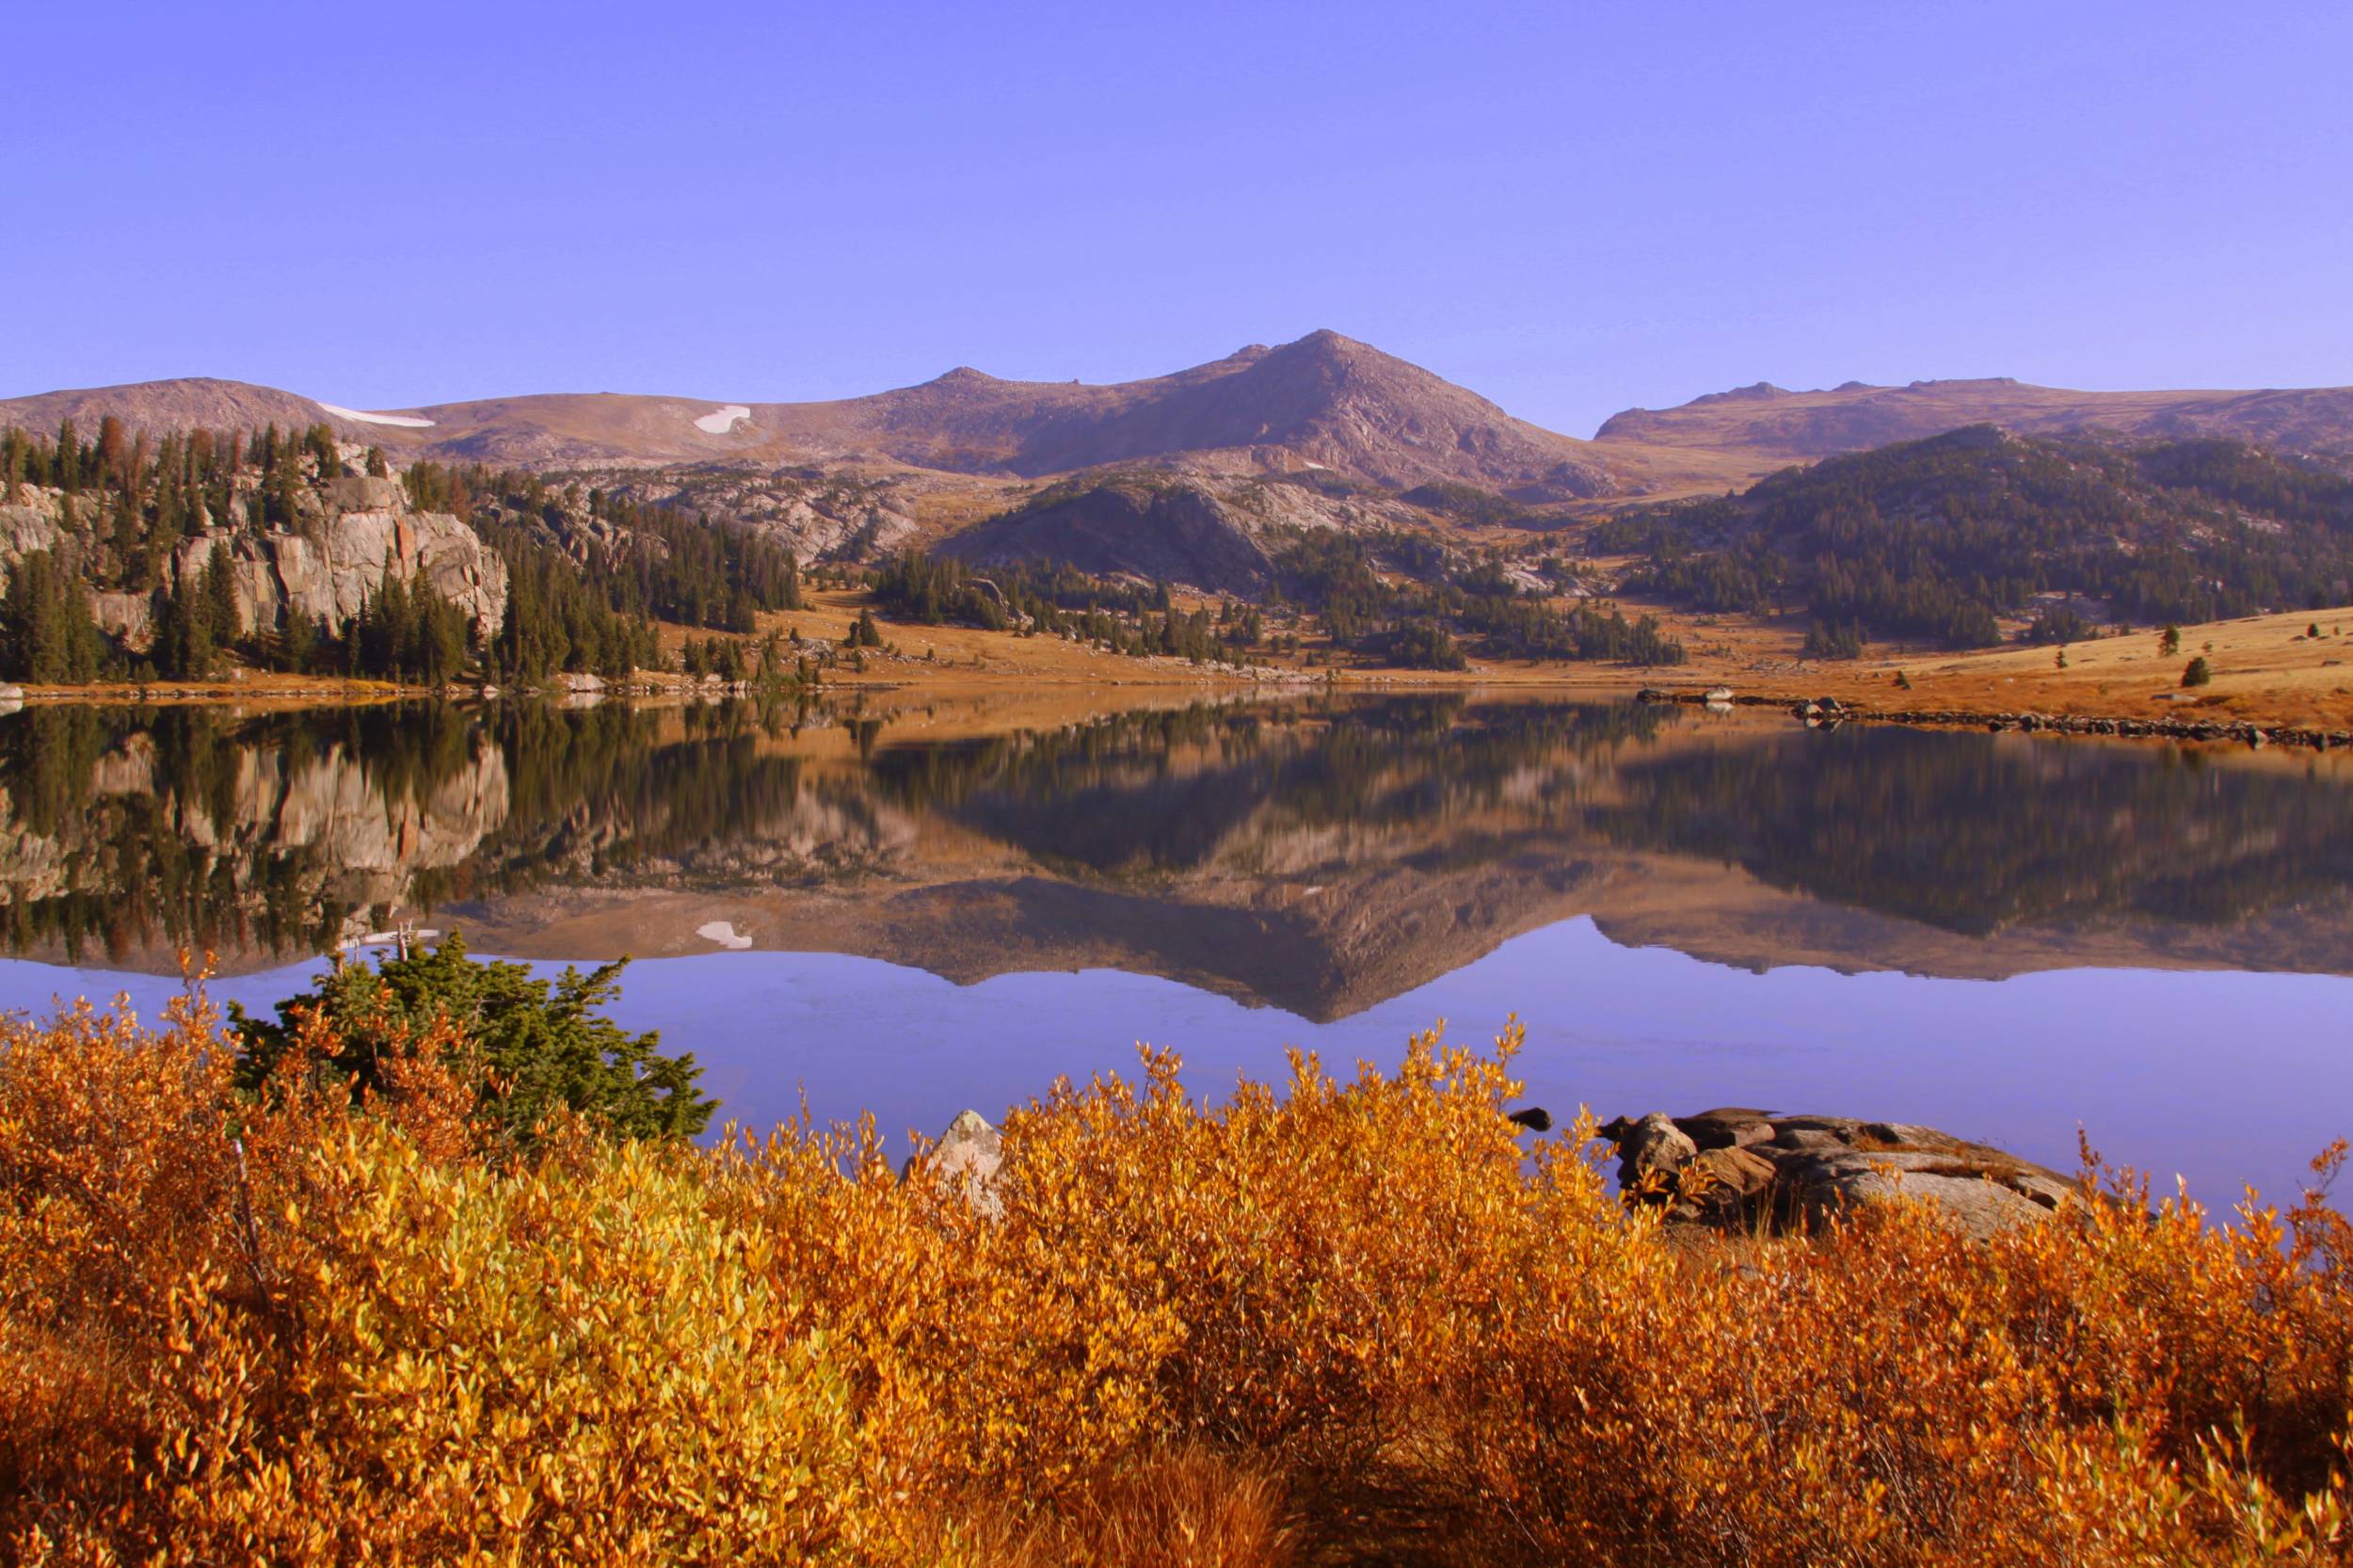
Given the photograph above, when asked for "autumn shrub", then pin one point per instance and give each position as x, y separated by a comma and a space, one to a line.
154, 1272
1315, 1262
575, 1363
267, 1319
2115, 1386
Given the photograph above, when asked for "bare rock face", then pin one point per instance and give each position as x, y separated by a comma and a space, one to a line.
367, 536
1738, 1169
365, 493
127, 617
26, 529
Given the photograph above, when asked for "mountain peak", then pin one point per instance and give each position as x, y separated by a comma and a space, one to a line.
1325, 343
1755, 392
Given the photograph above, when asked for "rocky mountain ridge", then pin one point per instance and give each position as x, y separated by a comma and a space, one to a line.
1324, 401
1772, 424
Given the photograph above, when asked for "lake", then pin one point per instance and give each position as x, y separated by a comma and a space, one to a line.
911, 906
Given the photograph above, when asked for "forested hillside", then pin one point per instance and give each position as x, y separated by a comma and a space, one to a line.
641, 561
1936, 539
133, 557
137, 559
1395, 597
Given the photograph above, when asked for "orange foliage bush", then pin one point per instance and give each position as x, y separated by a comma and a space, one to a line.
286, 1328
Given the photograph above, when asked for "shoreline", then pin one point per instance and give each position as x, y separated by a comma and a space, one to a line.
1836, 703
1831, 713
2284, 678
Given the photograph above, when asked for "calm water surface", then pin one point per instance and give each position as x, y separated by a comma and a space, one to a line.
919, 907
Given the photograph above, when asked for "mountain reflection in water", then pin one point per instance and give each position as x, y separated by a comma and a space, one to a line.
1319, 854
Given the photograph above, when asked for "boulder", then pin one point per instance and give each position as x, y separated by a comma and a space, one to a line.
1734, 1169
1727, 1126
1731, 1189
967, 1156
1652, 1147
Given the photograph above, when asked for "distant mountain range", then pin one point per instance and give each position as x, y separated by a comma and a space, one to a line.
1322, 403
1776, 426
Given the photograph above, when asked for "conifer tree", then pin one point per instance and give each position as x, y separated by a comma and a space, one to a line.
222, 623
130, 560
47, 634
297, 644
184, 636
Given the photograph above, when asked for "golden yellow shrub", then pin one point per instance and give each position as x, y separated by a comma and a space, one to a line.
569, 1364
1894, 1393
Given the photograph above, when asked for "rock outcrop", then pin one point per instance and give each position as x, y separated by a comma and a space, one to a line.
365, 534
355, 533
1737, 1169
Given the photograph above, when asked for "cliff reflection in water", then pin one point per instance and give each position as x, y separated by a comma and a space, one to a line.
1320, 854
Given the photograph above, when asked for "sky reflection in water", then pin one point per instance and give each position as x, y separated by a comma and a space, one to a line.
2223, 1078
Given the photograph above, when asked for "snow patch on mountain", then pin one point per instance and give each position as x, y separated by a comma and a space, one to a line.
407, 421
720, 421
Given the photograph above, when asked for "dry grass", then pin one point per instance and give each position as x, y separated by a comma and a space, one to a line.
2267, 670
1189, 1507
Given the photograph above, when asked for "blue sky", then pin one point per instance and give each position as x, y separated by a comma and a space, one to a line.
1571, 208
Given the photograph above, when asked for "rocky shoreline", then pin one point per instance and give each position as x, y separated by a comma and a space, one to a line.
1829, 713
